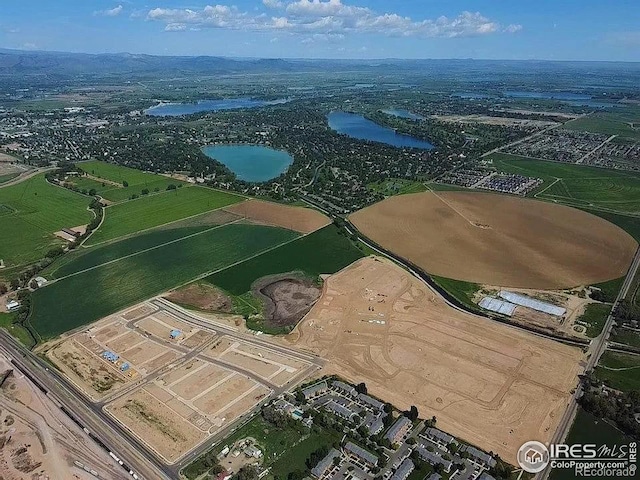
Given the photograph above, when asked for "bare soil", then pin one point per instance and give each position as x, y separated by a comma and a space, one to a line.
490, 384
498, 239
298, 219
202, 296
287, 298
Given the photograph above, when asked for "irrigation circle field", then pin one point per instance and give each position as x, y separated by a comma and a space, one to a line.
498, 239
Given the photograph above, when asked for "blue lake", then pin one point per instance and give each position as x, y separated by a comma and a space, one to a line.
358, 127
547, 95
178, 109
403, 114
251, 163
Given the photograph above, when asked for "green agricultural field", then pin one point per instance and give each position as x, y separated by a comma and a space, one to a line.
108, 288
608, 123
620, 371
136, 180
324, 251
577, 185
626, 337
31, 211
151, 211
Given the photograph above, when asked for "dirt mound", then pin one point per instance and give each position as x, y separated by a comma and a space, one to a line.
201, 296
298, 219
287, 298
498, 239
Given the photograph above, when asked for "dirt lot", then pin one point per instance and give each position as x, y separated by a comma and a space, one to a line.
499, 240
152, 420
299, 219
489, 384
202, 296
37, 441
286, 298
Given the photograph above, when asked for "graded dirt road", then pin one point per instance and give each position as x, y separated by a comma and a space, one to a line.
489, 384
498, 239
298, 219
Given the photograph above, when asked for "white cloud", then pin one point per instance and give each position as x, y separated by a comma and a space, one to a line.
327, 17
113, 12
273, 3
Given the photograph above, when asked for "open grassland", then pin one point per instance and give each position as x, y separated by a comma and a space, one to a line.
619, 370
577, 185
108, 288
154, 210
609, 123
325, 251
498, 240
30, 212
397, 186
8, 176
114, 176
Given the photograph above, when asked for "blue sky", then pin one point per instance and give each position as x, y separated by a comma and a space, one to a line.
495, 29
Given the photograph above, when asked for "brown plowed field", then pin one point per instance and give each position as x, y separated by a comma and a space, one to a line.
298, 219
498, 239
487, 383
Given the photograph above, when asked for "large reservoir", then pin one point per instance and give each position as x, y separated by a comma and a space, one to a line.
251, 163
358, 127
178, 109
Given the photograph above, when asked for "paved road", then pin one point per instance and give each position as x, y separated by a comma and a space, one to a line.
597, 348
99, 424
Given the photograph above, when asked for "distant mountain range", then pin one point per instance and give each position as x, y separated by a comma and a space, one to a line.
65, 64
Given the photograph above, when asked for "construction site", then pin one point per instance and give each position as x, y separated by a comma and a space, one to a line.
173, 379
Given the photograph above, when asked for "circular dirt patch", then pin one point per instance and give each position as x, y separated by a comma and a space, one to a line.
287, 298
498, 239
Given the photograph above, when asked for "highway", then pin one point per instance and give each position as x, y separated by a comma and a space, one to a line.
596, 349
101, 426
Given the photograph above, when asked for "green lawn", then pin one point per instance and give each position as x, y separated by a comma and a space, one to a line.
324, 251
577, 185
30, 212
18, 331
595, 315
608, 123
619, 370
151, 211
59, 307
296, 456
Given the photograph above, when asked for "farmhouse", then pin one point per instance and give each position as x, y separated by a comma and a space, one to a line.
12, 305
